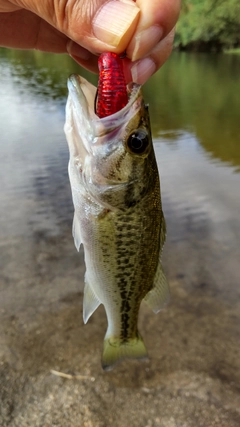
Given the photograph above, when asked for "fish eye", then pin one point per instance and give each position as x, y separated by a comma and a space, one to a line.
138, 141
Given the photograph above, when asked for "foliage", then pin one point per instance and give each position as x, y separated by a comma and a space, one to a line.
209, 24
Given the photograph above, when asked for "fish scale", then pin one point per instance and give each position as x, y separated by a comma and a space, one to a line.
118, 215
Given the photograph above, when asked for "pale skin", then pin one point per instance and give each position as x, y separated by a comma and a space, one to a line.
86, 28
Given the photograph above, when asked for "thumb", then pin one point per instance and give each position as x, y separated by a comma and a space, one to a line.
97, 25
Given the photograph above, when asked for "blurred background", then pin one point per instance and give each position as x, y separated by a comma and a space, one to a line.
193, 376
209, 26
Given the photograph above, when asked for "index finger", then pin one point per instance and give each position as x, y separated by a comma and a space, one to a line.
157, 19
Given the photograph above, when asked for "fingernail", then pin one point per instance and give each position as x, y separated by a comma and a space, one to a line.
142, 70
146, 41
115, 22
75, 49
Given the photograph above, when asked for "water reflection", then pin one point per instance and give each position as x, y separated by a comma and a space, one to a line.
42, 74
199, 93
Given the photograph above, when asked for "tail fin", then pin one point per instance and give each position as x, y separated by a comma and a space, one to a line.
115, 350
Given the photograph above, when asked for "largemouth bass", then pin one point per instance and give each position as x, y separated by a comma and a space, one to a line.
118, 214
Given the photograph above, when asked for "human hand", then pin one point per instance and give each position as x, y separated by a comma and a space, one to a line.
86, 28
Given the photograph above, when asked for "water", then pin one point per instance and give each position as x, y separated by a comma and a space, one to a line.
193, 376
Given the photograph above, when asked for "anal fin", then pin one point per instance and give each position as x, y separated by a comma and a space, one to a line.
90, 302
159, 295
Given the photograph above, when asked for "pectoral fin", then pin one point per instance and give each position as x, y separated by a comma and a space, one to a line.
159, 295
76, 232
90, 302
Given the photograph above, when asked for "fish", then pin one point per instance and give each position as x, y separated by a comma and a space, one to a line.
118, 215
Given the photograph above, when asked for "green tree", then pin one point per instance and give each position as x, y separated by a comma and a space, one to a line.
209, 24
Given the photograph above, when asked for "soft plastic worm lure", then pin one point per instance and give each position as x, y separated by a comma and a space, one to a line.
112, 92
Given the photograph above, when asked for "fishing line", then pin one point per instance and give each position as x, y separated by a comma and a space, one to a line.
95, 102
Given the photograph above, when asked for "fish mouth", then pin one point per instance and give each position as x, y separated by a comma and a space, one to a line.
91, 138
83, 95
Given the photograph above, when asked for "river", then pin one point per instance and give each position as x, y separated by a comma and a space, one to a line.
193, 376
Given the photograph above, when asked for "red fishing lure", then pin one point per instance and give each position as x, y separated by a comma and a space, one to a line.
112, 91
